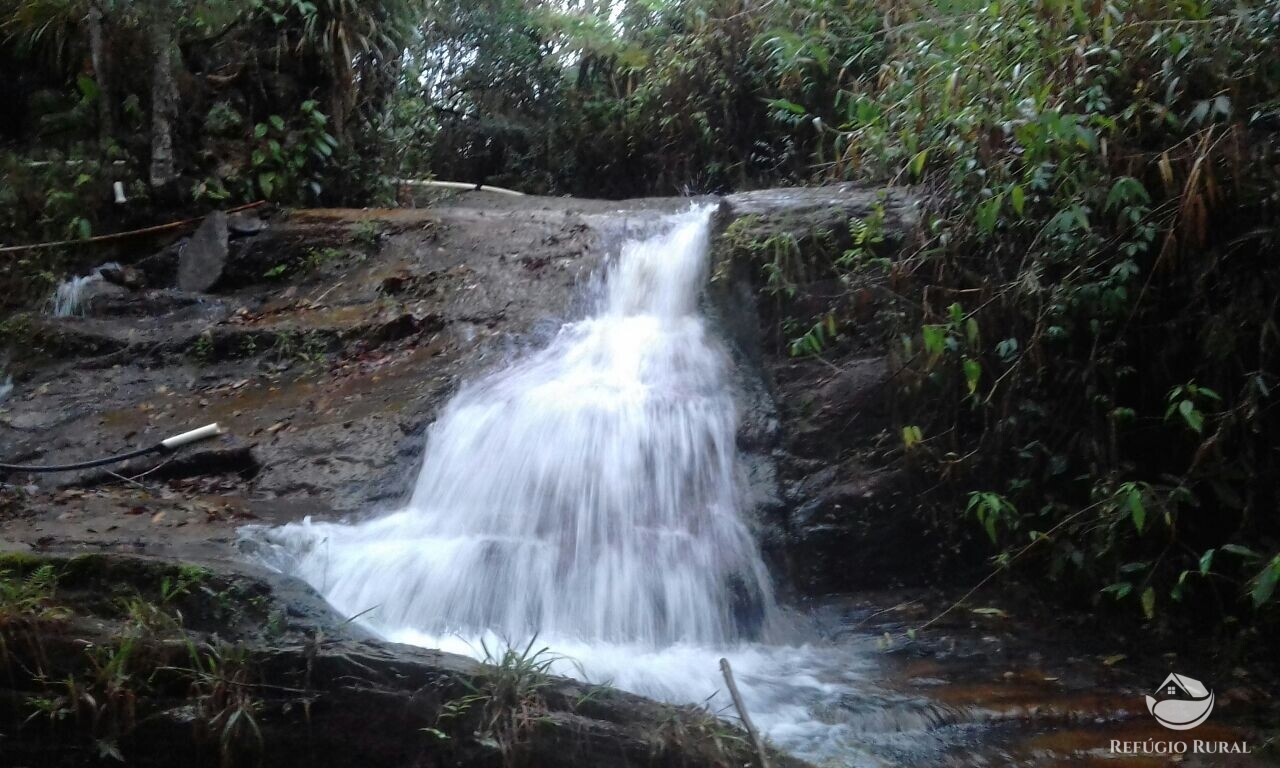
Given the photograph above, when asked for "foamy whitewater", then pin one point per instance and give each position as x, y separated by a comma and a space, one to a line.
68, 298
590, 494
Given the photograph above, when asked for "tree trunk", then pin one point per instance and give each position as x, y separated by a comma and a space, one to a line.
98, 57
164, 96
341, 93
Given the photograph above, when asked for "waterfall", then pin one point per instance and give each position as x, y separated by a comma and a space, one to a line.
68, 299
589, 494
589, 491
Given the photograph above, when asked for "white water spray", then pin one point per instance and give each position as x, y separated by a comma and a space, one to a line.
68, 299
590, 494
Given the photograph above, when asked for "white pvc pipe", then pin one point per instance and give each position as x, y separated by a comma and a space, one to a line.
456, 185
203, 433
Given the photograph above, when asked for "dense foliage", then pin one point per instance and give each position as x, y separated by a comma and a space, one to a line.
252, 98
1098, 347
1086, 325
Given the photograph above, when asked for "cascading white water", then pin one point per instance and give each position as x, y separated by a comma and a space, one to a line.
589, 494
68, 298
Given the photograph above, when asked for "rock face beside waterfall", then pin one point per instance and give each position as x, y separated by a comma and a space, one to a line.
832, 511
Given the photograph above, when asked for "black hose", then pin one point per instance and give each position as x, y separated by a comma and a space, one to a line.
82, 464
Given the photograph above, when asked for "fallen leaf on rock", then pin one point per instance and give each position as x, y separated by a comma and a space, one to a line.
157, 517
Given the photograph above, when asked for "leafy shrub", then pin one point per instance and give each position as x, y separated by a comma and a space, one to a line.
1095, 357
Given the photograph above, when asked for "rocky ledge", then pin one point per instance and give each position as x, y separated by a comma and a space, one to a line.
120, 658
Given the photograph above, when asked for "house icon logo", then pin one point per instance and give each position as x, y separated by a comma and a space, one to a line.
1180, 703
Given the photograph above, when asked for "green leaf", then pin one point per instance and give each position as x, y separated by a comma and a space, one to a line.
1242, 551
988, 212
88, 87
1149, 603
1125, 190
1191, 416
1119, 590
277, 122
1017, 198
1206, 562
1137, 511
972, 373
788, 106
1264, 584
917, 163
911, 437
935, 337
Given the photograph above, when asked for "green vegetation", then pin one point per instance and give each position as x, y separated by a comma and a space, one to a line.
507, 703
29, 596
96, 693
1095, 356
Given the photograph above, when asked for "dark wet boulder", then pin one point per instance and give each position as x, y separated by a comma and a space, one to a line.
849, 529
245, 223
125, 277
201, 262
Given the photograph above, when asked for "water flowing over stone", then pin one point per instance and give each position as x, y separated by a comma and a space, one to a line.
590, 494
589, 491
69, 299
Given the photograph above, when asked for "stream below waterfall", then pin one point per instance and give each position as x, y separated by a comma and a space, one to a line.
590, 494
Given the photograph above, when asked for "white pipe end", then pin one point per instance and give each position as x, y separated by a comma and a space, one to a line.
195, 435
